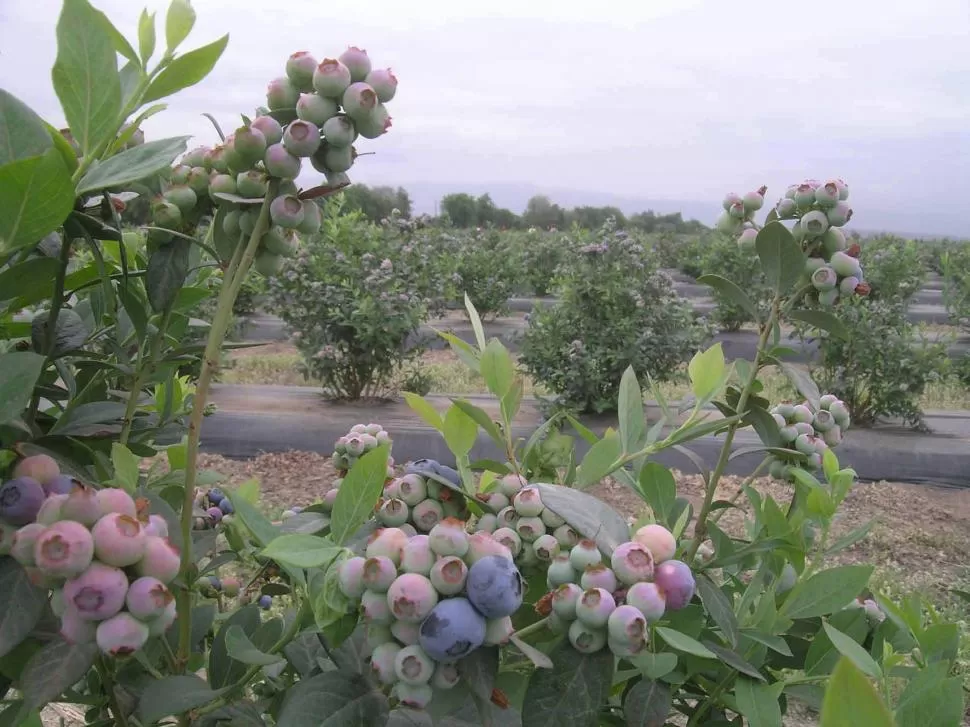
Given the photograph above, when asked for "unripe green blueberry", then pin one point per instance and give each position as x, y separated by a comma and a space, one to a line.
331, 78
299, 69
448, 575
845, 265
833, 241
804, 443
281, 163
546, 547
301, 138
393, 513
375, 124
222, 184
316, 109
779, 420
350, 577
530, 528
412, 489
676, 582
585, 638
40, 467
333, 159
598, 576
561, 571
249, 144
23, 548
286, 211
753, 201
406, 633
217, 159
498, 631
786, 410
147, 598
833, 436
747, 238
449, 538
804, 196
392, 490
728, 224
180, 174
453, 630
648, 599
507, 517
798, 232
826, 400
510, 485
359, 101
827, 195
848, 285
567, 537
282, 94
161, 559
119, 540
166, 214
841, 413
114, 499
446, 676
496, 501
584, 554
382, 663
824, 278
786, 581
384, 83
376, 634
814, 223
632, 562
65, 549
658, 540
426, 514
481, 545
357, 62
823, 421
786, 208
564, 600
195, 157
487, 523
374, 608
737, 211
417, 556
839, 215
510, 539
97, 593
731, 199
230, 223
595, 606
627, 626
552, 520
414, 696
527, 502
828, 297
76, 630
268, 264
413, 666
378, 573
802, 414
269, 127
251, 184
312, 219
495, 587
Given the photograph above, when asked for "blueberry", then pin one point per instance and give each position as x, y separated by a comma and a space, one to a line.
20, 500
494, 586
452, 630
226, 506
216, 496
265, 602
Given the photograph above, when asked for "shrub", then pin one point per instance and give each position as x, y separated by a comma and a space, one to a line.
895, 268
616, 310
486, 269
538, 255
350, 299
955, 265
724, 256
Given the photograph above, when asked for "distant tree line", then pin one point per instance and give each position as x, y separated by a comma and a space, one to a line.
464, 210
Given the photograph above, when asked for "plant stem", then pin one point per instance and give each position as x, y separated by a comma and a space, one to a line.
108, 681
146, 367
210, 362
532, 628
748, 480
50, 337
700, 528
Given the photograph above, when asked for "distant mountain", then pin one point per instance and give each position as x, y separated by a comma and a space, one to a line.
514, 196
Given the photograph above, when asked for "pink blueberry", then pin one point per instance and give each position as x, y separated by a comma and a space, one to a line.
426, 514
357, 62
632, 562
449, 538
161, 559
627, 625
350, 577
384, 83
481, 545
23, 548
448, 575
595, 606
676, 582
417, 556
411, 597
378, 573
119, 540
374, 608
65, 549
382, 663
148, 598
598, 576
98, 593
388, 542
121, 635
40, 467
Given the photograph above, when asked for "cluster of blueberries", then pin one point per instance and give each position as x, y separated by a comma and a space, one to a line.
361, 438
212, 508
107, 561
810, 431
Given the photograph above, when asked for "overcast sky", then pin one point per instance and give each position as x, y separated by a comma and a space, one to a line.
656, 99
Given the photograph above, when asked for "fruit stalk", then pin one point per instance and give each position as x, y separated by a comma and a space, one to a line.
227, 296
145, 369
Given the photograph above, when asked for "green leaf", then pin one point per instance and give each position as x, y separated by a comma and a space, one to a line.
630, 411
572, 692
462, 350
497, 368
359, 493
126, 467
850, 538
587, 515
848, 647
476, 322
782, 259
77, 420
512, 400
706, 372
822, 320
655, 665
482, 419
851, 700
600, 460
423, 409
262, 530
133, 164
36, 196
240, 648
178, 23
659, 489
683, 642
758, 702
167, 269
647, 704
146, 35
22, 604
19, 371
222, 670
826, 592
479, 669
53, 669
732, 293
172, 696
333, 699
802, 382
719, 608
249, 491
34, 275
822, 656
930, 699
460, 431
302, 551
22, 132
186, 70
85, 75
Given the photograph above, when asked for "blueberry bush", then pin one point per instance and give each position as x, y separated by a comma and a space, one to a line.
736, 260
491, 592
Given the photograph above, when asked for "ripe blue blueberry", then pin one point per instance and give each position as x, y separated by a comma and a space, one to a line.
452, 630
265, 601
494, 586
